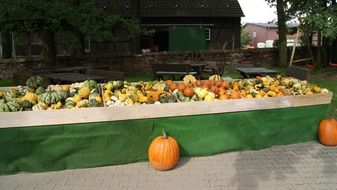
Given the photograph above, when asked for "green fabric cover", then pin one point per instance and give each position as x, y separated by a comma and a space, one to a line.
46, 148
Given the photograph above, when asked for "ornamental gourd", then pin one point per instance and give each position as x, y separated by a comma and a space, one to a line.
3, 106
327, 132
91, 84
34, 82
27, 105
84, 92
50, 97
31, 97
40, 106
163, 152
10, 95
63, 95
14, 106
22, 90
40, 90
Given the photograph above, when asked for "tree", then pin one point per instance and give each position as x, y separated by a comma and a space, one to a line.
66, 19
245, 38
282, 29
319, 16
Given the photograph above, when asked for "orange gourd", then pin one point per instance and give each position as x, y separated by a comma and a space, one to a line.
224, 85
327, 132
163, 152
153, 95
173, 86
215, 89
181, 86
223, 97
169, 82
188, 92
235, 94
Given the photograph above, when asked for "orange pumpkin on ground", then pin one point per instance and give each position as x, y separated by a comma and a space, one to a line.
188, 92
181, 86
327, 132
163, 152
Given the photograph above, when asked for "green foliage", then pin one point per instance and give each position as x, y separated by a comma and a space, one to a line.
245, 37
68, 19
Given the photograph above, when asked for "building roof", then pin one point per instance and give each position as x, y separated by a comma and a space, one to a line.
191, 8
175, 8
273, 25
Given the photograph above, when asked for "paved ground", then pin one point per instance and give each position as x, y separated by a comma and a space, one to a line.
301, 166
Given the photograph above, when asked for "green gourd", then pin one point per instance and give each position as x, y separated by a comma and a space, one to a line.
63, 95
34, 82
91, 84
40, 90
10, 95
93, 103
69, 104
4, 107
26, 105
14, 106
50, 97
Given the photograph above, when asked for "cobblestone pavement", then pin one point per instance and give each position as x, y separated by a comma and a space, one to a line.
299, 166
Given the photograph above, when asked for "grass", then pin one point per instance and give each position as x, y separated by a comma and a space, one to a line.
4, 83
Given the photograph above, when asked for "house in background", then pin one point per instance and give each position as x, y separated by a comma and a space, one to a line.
182, 25
178, 25
267, 33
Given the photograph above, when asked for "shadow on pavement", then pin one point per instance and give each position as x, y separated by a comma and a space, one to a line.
268, 165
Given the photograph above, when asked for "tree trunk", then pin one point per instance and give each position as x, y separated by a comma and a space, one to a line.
333, 52
319, 49
282, 32
6, 44
324, 52
49, 47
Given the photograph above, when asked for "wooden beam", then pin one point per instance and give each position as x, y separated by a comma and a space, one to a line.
102, 114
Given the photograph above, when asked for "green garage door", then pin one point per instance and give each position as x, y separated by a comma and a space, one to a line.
187, 38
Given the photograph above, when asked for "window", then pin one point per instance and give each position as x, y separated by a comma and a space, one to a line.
208, 34
87, 45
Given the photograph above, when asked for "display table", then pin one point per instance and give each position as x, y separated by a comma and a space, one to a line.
64, 139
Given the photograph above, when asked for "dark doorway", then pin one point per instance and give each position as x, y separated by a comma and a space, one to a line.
162, 40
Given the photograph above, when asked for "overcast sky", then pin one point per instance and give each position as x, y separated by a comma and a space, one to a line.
257, 11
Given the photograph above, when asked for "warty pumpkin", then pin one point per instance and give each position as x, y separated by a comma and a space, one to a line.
327, 132
163, 152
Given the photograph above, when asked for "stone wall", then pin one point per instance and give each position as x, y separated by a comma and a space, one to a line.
141, 64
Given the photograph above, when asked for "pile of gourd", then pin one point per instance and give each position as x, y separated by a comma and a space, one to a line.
35, 97
122, 93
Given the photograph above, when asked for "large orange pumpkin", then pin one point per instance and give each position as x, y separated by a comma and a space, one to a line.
163, 152
328, 132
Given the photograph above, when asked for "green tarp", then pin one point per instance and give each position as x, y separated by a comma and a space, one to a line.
46, 148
